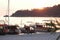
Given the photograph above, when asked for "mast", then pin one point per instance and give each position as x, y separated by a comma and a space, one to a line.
8, 10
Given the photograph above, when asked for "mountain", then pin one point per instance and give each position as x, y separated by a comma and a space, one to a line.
46, 12
6, 16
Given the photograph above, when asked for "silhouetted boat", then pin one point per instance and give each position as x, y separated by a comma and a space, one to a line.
27, 29
3, 29
13, 29
48, 27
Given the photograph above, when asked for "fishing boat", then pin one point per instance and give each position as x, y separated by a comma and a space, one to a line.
27, 29
3, 27
13, 29
47, 27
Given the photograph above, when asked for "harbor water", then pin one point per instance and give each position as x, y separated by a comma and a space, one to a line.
29, 20
43, 36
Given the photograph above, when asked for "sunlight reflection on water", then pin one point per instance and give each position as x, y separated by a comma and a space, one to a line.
24, 20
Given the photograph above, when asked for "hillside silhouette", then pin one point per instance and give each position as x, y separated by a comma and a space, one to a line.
46, 12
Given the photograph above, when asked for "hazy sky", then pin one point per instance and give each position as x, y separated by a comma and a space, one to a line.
25, 4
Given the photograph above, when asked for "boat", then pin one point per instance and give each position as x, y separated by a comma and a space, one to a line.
27, 29
47, 27
8, 29
3, 27
13, 29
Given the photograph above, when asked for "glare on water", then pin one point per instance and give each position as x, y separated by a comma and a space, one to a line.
26, 20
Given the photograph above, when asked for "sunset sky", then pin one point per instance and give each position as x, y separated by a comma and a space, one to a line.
25, 4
